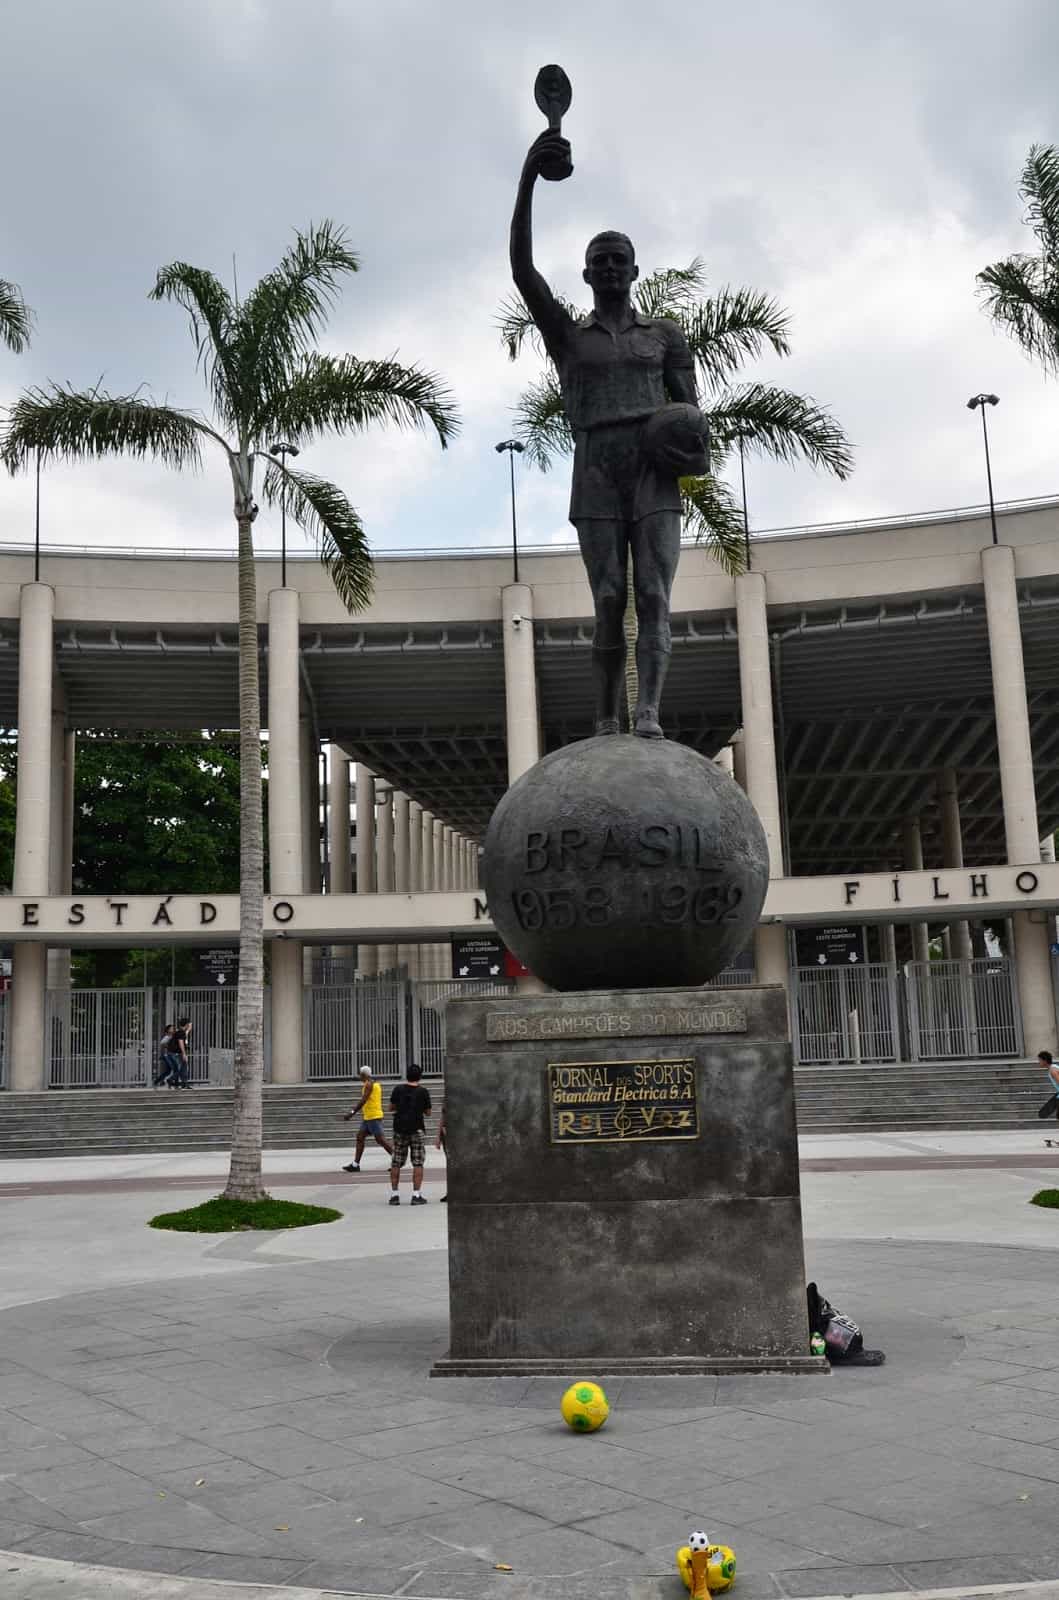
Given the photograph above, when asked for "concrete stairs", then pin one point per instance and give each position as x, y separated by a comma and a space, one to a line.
907, 1098
85, 1122
920, 1096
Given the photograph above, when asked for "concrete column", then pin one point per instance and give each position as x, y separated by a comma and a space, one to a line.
738, 749
33, 818
952, 854
1048, 854
427, 954
520, 680
442, 968
339, 854
286, 827
312, 854
1021, 830
339, 851
367, 955
309, 761
285, 791
759, 755
61, 830
415, 876
402, 866
888, 944
912, 842
384, 859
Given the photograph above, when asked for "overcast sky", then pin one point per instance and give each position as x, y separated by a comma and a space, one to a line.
858, 161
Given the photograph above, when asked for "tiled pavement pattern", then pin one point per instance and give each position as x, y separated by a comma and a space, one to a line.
280, 1427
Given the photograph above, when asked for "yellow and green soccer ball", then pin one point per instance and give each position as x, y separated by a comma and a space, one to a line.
584, 1407
720, 1568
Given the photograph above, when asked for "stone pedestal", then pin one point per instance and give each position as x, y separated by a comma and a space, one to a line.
623, 1185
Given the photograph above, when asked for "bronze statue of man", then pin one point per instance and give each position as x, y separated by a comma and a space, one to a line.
617, 369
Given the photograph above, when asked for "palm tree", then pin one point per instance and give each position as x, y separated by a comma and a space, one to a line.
16, 318
1021, 293
723, 330
266, 381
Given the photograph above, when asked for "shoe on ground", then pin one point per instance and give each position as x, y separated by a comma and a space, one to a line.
443, 1200
353, 1167
419, 1199
395, 1200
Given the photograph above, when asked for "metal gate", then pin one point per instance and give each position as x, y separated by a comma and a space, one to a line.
353, 1025
426, 1011
99, 1038
211, 1046
845, 1015
960, 1009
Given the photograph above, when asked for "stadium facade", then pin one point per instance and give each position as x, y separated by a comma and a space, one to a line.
886, 693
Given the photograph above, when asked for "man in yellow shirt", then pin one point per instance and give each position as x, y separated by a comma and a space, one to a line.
370, 1107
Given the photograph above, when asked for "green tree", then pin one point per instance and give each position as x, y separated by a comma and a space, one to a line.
723, 330
157, 814
16, 318
267, 383
1021, 293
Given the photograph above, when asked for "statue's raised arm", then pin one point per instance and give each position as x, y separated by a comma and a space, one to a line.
549, 149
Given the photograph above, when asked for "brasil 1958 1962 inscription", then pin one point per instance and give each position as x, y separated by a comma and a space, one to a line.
628, 1023
619, 1102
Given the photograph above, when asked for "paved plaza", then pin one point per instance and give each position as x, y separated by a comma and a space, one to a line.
256, 1408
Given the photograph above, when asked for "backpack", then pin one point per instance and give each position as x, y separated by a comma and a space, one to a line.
841, 1335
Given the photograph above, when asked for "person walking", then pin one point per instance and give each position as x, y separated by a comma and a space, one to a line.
1050, 1067
410, 1104
167, 1061
179, 1050
370, 1107
443, 1143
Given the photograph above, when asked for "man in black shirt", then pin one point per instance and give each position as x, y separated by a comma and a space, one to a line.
410, 1103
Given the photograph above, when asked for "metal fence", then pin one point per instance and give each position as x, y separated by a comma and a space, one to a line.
99, 1038
211, 1044
926, 1011
352, 1025
845, 1014
426, 1016
958, 1009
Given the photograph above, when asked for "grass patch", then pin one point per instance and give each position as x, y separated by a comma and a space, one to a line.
239, 1216
1046, 1197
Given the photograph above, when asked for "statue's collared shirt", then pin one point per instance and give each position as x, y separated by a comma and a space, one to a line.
617, 377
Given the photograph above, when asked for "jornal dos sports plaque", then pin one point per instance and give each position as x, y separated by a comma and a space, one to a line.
621, 1102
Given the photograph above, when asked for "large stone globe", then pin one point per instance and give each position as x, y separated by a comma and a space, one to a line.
625, 863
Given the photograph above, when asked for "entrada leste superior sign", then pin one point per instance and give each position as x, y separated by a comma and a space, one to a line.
617, 1102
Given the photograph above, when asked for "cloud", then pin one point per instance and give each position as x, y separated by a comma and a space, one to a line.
860, 162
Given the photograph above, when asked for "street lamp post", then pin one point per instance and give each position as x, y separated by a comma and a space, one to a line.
513, 447
746, 519
283, 450
978, 402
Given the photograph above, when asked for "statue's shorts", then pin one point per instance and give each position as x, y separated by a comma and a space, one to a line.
613, 482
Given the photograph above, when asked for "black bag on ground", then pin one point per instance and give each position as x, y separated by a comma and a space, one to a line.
1049, 1107
841, 1335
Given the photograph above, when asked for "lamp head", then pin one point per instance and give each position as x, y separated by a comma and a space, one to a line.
280, 448
510, 444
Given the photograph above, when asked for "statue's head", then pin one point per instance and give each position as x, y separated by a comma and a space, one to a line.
610, 263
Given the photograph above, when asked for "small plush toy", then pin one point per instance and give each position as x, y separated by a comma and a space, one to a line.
705, 1568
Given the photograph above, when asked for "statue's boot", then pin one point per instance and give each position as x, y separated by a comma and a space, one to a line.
608, 680
652, 664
